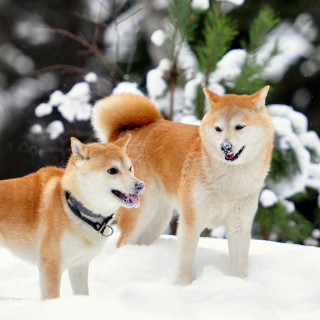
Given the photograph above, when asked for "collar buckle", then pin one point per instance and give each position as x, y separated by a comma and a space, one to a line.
103, 229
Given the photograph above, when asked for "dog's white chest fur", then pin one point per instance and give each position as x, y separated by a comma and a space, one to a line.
76, 251
216, 197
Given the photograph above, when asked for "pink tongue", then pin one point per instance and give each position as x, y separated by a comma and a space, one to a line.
134, 199
229, 156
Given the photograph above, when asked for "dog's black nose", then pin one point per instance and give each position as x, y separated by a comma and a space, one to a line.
139, 186
226, 146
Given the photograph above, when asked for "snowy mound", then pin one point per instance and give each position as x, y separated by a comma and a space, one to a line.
136, 282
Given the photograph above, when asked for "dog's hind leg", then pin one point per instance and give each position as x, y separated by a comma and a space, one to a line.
79, 279
188, 236
132, 222
160, 220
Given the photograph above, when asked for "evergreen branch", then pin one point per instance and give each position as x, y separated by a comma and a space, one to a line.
260, 28
284, 164
184, 23
294, 227
251, 78
219, 31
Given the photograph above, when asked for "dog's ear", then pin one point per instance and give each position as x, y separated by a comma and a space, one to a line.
259, 98
123, 142
211, 96
79, 151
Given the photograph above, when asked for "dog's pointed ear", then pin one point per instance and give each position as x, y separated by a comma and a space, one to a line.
211, 96
123, 142
79, 151
259, 98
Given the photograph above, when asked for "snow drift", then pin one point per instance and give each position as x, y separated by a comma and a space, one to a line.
137, 282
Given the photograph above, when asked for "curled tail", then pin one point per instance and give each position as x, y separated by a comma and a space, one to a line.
119, 113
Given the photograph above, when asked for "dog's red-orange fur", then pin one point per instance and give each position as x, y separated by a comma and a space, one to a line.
35, 218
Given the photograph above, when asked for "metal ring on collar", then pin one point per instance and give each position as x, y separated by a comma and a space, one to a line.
104, 229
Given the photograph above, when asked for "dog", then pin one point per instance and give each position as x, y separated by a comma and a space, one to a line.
59, 218
212, 175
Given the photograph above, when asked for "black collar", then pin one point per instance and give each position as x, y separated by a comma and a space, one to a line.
80, 211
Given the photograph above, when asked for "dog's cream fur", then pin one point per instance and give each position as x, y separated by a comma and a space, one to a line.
37, 224
185, 169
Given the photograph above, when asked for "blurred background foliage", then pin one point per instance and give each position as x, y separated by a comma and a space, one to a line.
52, 45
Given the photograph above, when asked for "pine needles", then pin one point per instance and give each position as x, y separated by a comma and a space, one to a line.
251, 78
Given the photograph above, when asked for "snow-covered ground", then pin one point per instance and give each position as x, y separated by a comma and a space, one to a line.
137, 282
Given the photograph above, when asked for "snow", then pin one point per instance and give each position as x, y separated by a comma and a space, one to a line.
219, 232
191, 90
306, 26
91, 77
190, 119
235, 2
268, 198
187, 60
43, 109
311, 242
31, 28
99, 10
289, 206
155, 83
158, 37
316, 233
293, 46
137, 282
230, 66
119, 37
127, 87
311, 141
55, 128
75, 105
291, 128
165, 64
56, 98
299, 120
16, 59
36, 129
200, 4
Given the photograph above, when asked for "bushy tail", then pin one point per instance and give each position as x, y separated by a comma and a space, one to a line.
118, 113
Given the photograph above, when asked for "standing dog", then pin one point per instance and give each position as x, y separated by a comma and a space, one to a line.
58, 218
211, 174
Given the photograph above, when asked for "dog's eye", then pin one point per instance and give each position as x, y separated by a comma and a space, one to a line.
130, 169
113, 171
218, 129
239, 127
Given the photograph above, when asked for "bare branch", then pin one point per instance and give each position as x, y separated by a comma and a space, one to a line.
63, 67
130, 15
83, 17
82, 41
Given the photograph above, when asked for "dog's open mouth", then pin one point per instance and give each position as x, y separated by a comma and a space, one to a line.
127, 198
232, 156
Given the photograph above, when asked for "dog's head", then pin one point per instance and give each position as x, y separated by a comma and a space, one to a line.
237, 129
104, 174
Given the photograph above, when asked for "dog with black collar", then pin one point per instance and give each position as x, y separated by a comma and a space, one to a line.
60, 218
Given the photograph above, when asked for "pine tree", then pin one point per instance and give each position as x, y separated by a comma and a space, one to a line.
211, 36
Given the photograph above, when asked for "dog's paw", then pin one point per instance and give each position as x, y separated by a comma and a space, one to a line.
239, 273
183, 282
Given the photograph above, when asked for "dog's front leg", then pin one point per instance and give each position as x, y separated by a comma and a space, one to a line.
50, 278
238, 228
79, 279
188, 237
